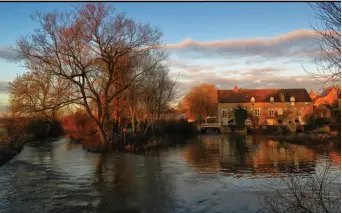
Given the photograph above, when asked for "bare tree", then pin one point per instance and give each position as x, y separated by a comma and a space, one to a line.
158, 92
328, 15
85, 46
200, 102
313, 194
37, 94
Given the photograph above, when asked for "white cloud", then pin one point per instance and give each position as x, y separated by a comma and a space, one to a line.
300, 43
7, 54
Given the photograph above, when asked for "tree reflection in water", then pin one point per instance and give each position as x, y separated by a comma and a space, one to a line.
249, 156
125, 186
60, 176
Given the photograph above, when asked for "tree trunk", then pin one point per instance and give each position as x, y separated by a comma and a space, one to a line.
132, 118
102, 134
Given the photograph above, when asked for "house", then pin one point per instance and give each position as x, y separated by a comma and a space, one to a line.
268, 106
313, 95
328, 96
322, 111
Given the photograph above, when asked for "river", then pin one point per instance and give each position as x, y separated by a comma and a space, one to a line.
211, 173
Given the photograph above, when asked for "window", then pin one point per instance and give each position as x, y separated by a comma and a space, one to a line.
224, 113
257, 112
271, 112
247, 122
299, 112
272, 100
280, 111
292, 100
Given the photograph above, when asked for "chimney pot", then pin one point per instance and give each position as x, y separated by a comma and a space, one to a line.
236, 88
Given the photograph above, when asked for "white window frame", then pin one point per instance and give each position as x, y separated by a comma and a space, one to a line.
224, 113
272, 100
257, 110
269, 112
292, 100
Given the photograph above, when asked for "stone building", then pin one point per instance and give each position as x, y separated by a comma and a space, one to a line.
268, 106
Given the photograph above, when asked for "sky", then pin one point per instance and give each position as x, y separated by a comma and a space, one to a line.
251, 45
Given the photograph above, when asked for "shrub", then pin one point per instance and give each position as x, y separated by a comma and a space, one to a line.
180, 127
240, 115
280, 121
313, 194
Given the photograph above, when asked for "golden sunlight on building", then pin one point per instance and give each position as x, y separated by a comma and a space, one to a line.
268, 106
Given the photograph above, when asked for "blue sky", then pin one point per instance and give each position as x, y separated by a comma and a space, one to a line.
247, 44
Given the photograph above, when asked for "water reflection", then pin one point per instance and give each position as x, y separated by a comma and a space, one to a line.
131, 183
196, 177
249, 156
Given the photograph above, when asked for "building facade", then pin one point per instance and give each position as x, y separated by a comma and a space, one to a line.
268, 106
328, 96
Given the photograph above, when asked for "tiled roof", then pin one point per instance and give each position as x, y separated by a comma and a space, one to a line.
262, 95
326, 92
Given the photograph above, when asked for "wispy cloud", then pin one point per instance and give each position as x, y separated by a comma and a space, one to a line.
300, 43
3, 86
7, 54
269, 62
251, 82
264, 71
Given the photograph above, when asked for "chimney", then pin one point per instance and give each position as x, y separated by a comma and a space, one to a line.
236, 88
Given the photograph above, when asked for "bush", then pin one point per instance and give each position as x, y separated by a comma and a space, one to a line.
177, 127
276, 129
79, 122
312, 194
240, 115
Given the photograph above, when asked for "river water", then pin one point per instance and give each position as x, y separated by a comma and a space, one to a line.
211, 173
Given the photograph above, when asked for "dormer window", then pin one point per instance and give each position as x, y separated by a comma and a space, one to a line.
292, 100
272, 100
252, 100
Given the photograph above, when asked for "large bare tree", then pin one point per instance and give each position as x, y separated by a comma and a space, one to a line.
328, 27
84, 48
